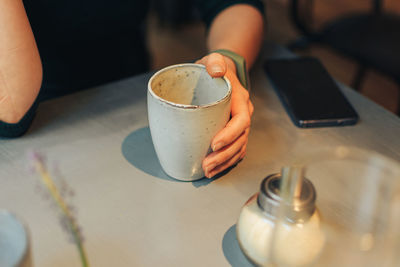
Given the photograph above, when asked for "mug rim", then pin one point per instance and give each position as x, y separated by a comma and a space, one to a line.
188, 106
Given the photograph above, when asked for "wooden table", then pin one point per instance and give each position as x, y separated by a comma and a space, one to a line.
130, 212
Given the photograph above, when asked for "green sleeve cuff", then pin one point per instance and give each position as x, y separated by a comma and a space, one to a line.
240, 63
10, 130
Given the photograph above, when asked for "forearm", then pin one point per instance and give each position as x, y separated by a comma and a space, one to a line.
238, 28
20, 65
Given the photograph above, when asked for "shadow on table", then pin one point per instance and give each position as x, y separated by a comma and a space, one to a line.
232, 251
138, 150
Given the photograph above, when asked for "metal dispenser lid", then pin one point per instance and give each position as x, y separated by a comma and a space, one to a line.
298, 211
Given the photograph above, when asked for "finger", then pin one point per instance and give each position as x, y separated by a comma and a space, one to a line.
243, 154
202, 60
235, 159
239, 122
233, 129
217, 158
251, 108
216, 65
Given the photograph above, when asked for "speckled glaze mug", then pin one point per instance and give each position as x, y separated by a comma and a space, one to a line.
186, 108
14, 242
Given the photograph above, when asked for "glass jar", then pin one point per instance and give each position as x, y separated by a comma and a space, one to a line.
284, 235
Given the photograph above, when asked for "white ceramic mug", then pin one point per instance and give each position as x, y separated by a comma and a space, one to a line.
186, 108
14, 242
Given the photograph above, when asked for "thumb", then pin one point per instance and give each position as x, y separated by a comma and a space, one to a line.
216, 65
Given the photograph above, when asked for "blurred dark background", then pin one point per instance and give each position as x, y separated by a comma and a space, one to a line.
176, 35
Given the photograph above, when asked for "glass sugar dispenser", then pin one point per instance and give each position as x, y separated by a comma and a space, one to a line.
280, 225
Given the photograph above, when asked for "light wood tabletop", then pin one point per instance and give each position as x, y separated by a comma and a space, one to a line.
130, 212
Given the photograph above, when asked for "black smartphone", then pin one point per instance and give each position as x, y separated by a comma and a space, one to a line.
310, 95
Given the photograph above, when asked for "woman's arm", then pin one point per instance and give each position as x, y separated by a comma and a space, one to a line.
238, 28
20, 65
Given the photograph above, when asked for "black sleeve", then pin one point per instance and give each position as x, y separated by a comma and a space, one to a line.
18, 129
211, 8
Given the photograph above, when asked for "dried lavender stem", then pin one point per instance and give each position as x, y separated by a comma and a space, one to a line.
48, 182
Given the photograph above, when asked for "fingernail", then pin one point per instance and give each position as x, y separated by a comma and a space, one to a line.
217, 146
216, 69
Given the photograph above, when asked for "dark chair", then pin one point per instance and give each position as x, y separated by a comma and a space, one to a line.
371, 39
